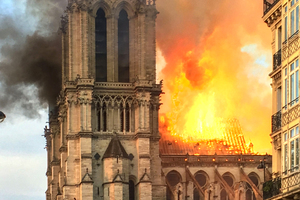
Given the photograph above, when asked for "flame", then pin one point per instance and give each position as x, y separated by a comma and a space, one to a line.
215, 76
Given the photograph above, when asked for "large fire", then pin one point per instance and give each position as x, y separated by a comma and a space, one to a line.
213, 57
197, 130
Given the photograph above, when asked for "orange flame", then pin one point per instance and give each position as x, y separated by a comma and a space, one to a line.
214, 74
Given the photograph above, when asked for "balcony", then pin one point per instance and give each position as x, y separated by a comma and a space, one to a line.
291, 182
276, 122
272, 188
268, 5
277, 60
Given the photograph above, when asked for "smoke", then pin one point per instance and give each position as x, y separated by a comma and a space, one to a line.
216, 53
217, 56
30, 55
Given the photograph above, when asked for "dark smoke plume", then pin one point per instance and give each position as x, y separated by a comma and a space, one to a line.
30, 64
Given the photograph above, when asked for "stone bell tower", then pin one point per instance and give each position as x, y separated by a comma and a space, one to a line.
103, 141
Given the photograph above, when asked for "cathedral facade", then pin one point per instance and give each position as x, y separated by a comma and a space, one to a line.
104, 141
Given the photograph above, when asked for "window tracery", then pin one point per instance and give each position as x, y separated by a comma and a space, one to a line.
114, 107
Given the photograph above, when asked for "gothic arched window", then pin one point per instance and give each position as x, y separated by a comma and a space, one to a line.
104, 117
196, 194
223, 195
121, 117
98, 110
201, 178
228, 179
173, 177
131, 190
101, 46
127, 115
123, 47
249, 192
254, 178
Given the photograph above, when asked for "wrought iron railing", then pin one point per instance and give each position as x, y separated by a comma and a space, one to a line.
269, 4
294, 34
284, 42
276, 121
294, 101
277, 59
272, 188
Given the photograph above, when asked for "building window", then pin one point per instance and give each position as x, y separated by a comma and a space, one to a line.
254, 178
249, 192
123, 47
101, 116
131, 190
201, 179
285, 93
101, 46
294, 20
121, 117
291, 150
294, 82
291, 84
104, 117
285, 28
172, 178
285, 159
228, 179
125, 118
98, 116
294, 148
196, 194
224, 195
297, 18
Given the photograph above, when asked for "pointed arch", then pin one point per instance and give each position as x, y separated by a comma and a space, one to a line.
122, 117
174, 177
254, 178
123, 5
196, 195
249, 192
104, 117
223, 195
127, 117
132, 189
98, 110
123, 47
202, 178
229, 179
101, 4
101, 46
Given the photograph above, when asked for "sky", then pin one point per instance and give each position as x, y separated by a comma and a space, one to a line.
233, 34
22, 154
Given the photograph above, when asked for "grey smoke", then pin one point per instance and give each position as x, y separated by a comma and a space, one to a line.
30, 64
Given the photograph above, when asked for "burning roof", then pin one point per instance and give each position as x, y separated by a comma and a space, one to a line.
225, 138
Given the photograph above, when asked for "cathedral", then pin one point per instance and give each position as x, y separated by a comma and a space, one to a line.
104, 141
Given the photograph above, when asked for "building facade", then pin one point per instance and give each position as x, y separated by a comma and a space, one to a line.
103, 141
282, 16
215, 177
